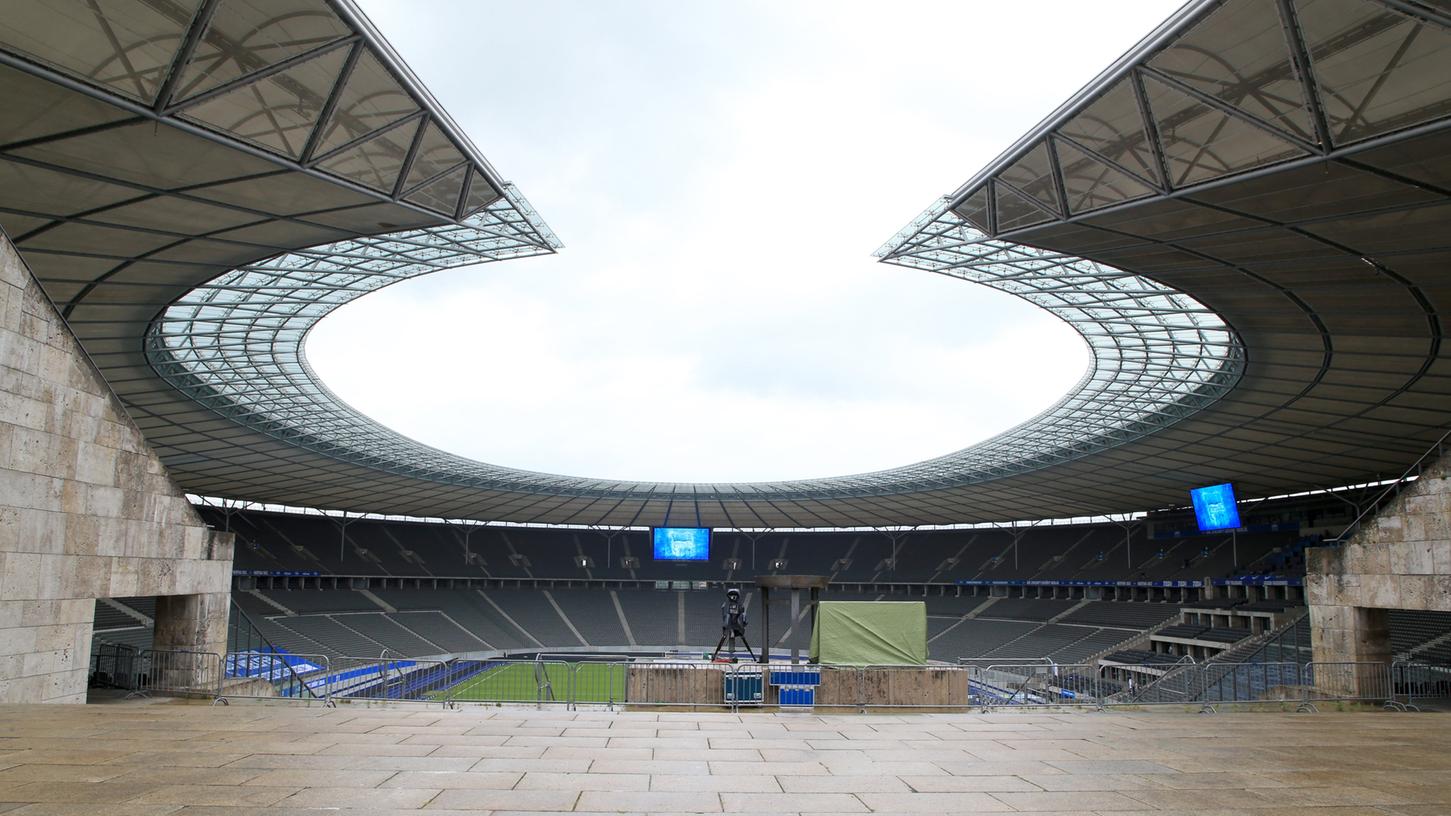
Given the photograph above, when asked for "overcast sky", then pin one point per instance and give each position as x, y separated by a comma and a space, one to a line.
720, 174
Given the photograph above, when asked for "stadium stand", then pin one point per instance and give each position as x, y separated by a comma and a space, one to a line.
1424, 636
322, 634
441, 630
702, 617
1132, 615
655, 617
464, 606
974, 638
454, 588
312, 600
1027, 609
592, 611
392, 634
1041, 641
534, 611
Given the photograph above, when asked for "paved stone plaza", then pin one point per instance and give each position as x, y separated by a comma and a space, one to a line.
160, 758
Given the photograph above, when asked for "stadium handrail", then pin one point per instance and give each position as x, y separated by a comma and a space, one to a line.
1392, 490
248, 640
1174, 670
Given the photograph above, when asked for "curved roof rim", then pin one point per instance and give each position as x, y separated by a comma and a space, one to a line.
354, 16
234, 345
1187, 15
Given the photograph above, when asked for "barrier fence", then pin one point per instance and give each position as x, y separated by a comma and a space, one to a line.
114, 665
1415, 684
540, 682
608, 683
178, 673
292, 675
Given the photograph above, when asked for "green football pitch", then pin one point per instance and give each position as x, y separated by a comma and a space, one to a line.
523, 682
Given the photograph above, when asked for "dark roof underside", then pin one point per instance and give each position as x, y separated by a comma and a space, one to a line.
1288, 164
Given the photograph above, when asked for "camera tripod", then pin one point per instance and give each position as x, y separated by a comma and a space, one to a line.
732, 634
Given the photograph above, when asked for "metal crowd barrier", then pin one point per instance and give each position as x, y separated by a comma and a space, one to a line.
540, 682
383, 678
690, 683
1019, 684
291, 675
599, 683
914, 687
1222, 683
1415, 684
179, 673
1347, 682
114, 665
735, 686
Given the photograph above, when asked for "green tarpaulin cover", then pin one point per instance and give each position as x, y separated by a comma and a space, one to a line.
867, 633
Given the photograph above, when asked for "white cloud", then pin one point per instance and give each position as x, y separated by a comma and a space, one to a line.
720, 174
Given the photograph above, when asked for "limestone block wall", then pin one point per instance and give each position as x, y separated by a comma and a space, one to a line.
86, 508
1400, 559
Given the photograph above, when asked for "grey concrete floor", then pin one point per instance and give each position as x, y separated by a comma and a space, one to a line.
137, 760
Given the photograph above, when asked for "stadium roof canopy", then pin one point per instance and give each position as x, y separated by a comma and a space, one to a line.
1246, 218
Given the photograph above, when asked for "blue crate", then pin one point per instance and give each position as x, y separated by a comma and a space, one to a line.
796, 677
797, 696
743, 688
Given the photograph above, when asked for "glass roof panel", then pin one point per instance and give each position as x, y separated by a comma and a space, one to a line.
1014, 211
1033, 174
278, 111
376, 162
442, 193
435, 155
125, 45
1240, 54
1113, 127
247, 35
1091, 183
371, 99
974, 209
481, 193
1202, 143
1377, 70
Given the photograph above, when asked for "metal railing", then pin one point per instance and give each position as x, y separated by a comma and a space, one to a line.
691, 683
1416, 684
667, 683
1176, 682
114, 666
1392, 491
537, 682
297, 676
178, 673
372, 678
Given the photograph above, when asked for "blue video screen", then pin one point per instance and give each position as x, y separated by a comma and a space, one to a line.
682, 543
1214, 507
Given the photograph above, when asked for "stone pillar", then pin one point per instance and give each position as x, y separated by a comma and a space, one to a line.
190, 640
1352, 650
192, 623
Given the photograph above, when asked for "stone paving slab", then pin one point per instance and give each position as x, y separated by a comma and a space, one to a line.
162, 759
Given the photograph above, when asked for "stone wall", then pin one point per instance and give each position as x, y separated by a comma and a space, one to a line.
1399, 559
86, 509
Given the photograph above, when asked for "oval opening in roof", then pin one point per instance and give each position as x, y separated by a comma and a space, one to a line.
657, 379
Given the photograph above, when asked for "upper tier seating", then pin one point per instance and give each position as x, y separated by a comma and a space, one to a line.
1027, 609
311, 543
1129, 615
